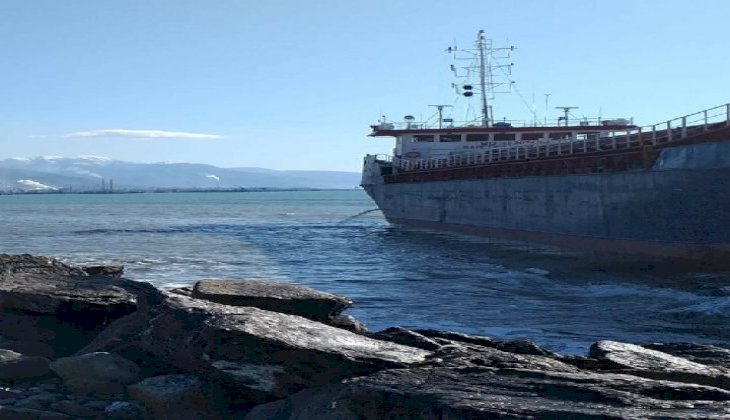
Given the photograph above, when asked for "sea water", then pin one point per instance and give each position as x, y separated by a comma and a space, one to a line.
333, 241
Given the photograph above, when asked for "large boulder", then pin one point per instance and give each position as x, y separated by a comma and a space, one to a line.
272, 296
641, 361
266, 351
44, 302
96, 373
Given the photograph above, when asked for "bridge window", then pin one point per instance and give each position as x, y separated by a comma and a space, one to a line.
560, 136
532, 136
477, 137
423, 138
504, 137
449, 137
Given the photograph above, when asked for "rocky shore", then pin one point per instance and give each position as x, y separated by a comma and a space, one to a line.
84, 342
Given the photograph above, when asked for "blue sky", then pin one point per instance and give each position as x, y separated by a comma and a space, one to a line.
294, 84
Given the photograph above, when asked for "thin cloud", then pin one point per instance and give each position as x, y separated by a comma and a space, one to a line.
144, 134
35, 185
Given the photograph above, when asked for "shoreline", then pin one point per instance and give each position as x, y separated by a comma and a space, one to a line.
85, 342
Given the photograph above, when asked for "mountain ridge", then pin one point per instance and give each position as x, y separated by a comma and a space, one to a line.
92, 173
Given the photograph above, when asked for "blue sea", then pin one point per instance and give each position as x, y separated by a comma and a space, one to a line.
336, 242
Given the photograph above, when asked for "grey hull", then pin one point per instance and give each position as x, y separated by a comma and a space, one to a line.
678, 209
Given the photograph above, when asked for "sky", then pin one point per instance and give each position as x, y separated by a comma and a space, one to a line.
287, 84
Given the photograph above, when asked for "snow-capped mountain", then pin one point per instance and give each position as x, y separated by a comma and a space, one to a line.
87, 173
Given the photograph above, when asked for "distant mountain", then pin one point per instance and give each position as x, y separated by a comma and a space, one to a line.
85, 173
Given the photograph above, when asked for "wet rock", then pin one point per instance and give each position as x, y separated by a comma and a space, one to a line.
44, 303
17, 413
407, 337
347, 322
278, 297
513, 346
40, 401
13, 265
75, 409
57, 295
124, 410
14, 366
705, 354
185, 291
104, 270
191, 334
170, 393
641, 361
96, 373
498, 393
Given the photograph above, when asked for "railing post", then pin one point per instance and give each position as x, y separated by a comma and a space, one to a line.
669, 131
704, 113
727, 115
653, 135
684, 127
585, 145
641, 138
613, 141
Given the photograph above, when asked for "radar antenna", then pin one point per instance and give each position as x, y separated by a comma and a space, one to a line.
440, 109
566, 110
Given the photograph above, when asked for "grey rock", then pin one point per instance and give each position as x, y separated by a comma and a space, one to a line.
185, 291
41, 401
705, 354
104, 270
44, 303
29, 346
407, 337
347, 322
192, 334
17, 413
75, 409
96, 373
13, 265
166, 393
14, 366
124, 410
272, 296
96, 404
641, 361
513, 346
55, 294
471, 393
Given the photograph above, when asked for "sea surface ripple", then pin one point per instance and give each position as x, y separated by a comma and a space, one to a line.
330, 240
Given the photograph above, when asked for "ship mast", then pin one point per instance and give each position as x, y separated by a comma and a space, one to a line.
483, 68
483, 63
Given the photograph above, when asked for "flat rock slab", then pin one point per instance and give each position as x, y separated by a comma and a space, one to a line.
295, 352
11, 265
499, 393
649, 363
272, 296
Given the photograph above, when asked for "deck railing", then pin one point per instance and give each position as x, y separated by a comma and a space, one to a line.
671, 131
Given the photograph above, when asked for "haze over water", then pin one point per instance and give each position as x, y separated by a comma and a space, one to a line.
411, 278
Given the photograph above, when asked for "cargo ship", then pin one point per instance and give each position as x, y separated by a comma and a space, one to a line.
605, 187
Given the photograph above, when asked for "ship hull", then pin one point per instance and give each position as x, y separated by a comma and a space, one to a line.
678, 209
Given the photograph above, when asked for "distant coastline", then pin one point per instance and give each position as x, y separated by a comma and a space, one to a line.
171, 190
